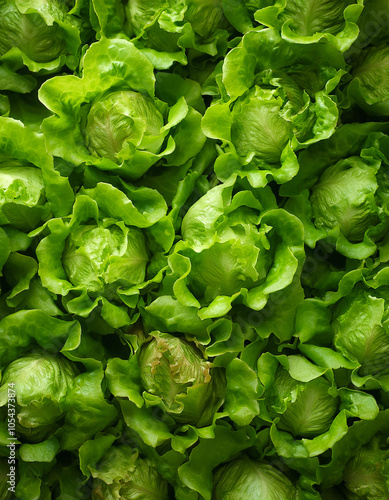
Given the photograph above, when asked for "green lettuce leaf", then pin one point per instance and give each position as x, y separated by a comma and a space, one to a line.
31, 190
129, 137
265, 115
312, 21
234, 250
165, 31
42, 36
100, 256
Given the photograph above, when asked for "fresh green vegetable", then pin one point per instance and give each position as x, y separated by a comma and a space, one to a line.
42, 382
122, 475
366, 474
174, 371
246, 477
194, 248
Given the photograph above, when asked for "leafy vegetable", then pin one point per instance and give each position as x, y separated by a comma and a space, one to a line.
270, 109
166, 31
42, 382
194, 215
121, 474
312, 21
373, 482
131, 137
192, 391
94, 258
247, 477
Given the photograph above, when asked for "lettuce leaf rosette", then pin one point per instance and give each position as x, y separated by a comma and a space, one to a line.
313, 413
31, 192
354, 334
111, 119
102, 252
39, 405
121, 474
170, 373
235, 252
347, 200
360, 328
166, 31
56, 377
265, 115
253, 478
313, 21
369, 87
42, 36
367, 472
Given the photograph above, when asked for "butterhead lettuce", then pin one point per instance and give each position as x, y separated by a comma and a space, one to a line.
270, 109
194, 248
92, 258
115, 122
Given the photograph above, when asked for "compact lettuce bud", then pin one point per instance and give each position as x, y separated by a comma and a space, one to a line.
251, 479
312, 412
334, 21
317, 18
344, 197
175, 370
97, 256
22, 194
117, 124
258, 128
41, 382
226, 268
361, 332
122, 475
205, 18
123, 116
30, 33
233, 247
366, 475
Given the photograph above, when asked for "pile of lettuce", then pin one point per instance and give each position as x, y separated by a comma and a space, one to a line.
194, 249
